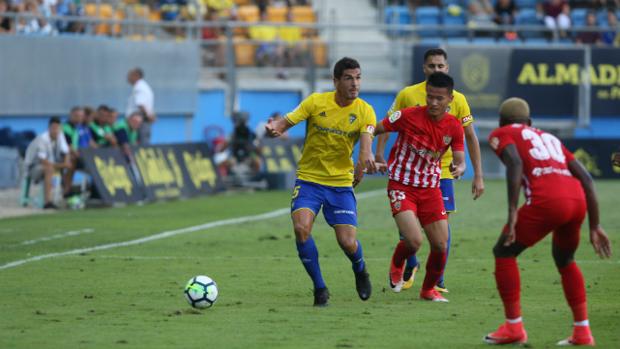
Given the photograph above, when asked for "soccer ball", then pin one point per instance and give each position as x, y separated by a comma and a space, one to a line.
201, 292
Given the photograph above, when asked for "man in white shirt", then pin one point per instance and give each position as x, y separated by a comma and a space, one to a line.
47, 153
141, 99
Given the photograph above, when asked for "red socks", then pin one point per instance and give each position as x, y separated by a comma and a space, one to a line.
434, 268
574, 291
401, 253
508, 283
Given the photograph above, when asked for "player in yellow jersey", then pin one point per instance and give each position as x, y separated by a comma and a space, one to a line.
335, 121
436, 60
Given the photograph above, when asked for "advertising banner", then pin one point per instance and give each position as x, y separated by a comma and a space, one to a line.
595, 155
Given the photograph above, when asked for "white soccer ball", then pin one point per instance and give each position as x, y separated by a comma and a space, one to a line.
201, 292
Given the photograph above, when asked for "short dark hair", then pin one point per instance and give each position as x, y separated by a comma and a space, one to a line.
139, 71
54, 120
441, 80
74, 109
344, 64
104, 108
435, 52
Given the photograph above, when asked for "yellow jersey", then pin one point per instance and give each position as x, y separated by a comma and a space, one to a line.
331, 134
415, 95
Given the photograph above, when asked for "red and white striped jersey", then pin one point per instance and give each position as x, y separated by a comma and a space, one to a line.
415, 158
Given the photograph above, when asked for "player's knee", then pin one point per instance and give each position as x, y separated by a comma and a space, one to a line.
499, 250
347, 243
439, 246
562, 258
302, 231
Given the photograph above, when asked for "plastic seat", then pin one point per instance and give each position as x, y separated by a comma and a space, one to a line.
427, 15
528, 17
578, 17
452, 16
397, 15
526, 4
276, 14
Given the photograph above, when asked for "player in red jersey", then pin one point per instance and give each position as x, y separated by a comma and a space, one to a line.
414, 167
554, 184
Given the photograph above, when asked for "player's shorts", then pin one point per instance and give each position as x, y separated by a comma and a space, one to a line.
447, 193
426, 203
339, 203
562, 217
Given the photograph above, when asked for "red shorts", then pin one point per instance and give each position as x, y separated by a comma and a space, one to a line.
426, 203
562, 217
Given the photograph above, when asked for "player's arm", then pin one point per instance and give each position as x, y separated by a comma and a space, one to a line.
514, 170
473, 147
276, 128
366, 160
457, 167
598, 237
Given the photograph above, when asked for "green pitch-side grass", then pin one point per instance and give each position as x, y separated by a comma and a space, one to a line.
131, 297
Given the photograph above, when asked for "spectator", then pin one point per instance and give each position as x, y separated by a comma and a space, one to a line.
556, 15
101, 127
213, 48
611, 36
126, 132
505, 11
266, 35
70, 8
89, 115
480, 16
244, 150
141, 99
77, 137
225, 9
591, 36
45, 155
6, 25
291, 49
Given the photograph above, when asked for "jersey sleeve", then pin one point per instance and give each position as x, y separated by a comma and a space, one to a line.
397, 104
395, 121
458, 135
499, 139
463, 112
302, 112
370, 121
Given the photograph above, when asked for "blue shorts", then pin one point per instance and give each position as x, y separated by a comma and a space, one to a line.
339, 203
447, 193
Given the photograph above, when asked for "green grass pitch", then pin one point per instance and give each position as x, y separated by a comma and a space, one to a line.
131, 296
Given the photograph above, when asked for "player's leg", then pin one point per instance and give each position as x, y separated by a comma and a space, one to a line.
565, 243
410, 243
531, 227
340, 211
306, 202
437, 234
449, 204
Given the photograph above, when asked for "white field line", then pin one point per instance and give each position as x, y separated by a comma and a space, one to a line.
58, 236
386, 258
170, 233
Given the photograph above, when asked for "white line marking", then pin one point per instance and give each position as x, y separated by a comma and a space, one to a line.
170, 233
58, 236
469, 260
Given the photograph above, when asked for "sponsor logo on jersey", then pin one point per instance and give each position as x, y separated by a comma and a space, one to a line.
322, 114
349, 212
494, 143
447, 140
467, 119
394, 117
352, 118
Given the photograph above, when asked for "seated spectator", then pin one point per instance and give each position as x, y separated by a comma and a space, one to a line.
291, 50
224, 9
266, 35
505, 11
70, 8
556, 15
480, 16
611, 37
47, 154
101, 127
589, 37
77, 137
126, 132
214, 48
37, 24
6, 23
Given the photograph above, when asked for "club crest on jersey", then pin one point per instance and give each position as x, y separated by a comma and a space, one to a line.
322, 114
397, 205
352, 118
447, 140
395, 116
